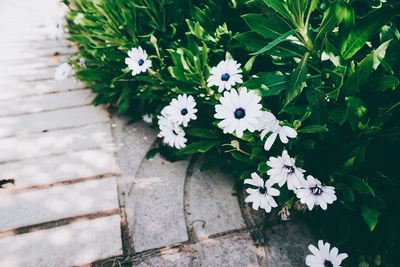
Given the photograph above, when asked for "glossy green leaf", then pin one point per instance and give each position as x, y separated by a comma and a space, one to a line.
267, 83
297, 80
274, 42
262, 25
313, 129
365, 28
370, 216
381, 84
359, 184
196, 147
279, 7
332, 17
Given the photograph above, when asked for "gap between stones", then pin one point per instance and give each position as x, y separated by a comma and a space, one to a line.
58, 222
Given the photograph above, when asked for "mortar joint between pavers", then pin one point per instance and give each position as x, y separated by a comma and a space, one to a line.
186, 199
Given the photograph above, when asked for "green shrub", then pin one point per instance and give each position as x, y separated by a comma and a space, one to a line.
328, 69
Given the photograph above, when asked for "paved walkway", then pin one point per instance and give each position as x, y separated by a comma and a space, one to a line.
84, 192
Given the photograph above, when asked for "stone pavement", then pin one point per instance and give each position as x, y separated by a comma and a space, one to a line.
84, 192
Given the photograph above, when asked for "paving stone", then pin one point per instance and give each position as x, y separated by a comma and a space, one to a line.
287, 243
133, 141
168, 258
78, 243
35, 45
21, 66
214, 206
56, 142
158, 209
9, 90
57, 168
232, 250
50, 120
30, 75
10, 55
63, 201
46, 102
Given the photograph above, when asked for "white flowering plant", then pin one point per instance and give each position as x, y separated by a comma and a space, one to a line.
298, 99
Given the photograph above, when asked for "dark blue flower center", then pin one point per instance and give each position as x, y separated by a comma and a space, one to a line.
289, 169
316, 191
240, 113
184, 112
262, 190
225, 77
328, 263
141, 62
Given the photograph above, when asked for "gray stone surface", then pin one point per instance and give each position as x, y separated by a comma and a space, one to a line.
30, 66
214, 206
57, 168
168, 258
232, 250
63, 201
32, 74
158, 210
132, 142
78, 243
51, 120
32, 54
56, 142
10, 90
287, 243
46, 102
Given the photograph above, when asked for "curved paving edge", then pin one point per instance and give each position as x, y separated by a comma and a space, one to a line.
179, 216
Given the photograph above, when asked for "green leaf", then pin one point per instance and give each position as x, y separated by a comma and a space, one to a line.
370, 216
347, 194
267, 83
262, 167
279, 7
338, 114
297, 80
381, 84
196, 147
263, 26
313, 129
332, 18
274, 42
242, 158
297, 8
249, 64
359, 184
251, 40
365, 28
246, 174
360, 75
202, 132
151, 153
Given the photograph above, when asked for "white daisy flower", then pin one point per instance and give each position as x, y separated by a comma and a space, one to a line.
181, 110
82, 62
323, 256
147, 119
272, 125
315, 193
173, 135
239, 112
283, 170
225, 75
137, 60
262, 196
62, 71
79, 18
54, 28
